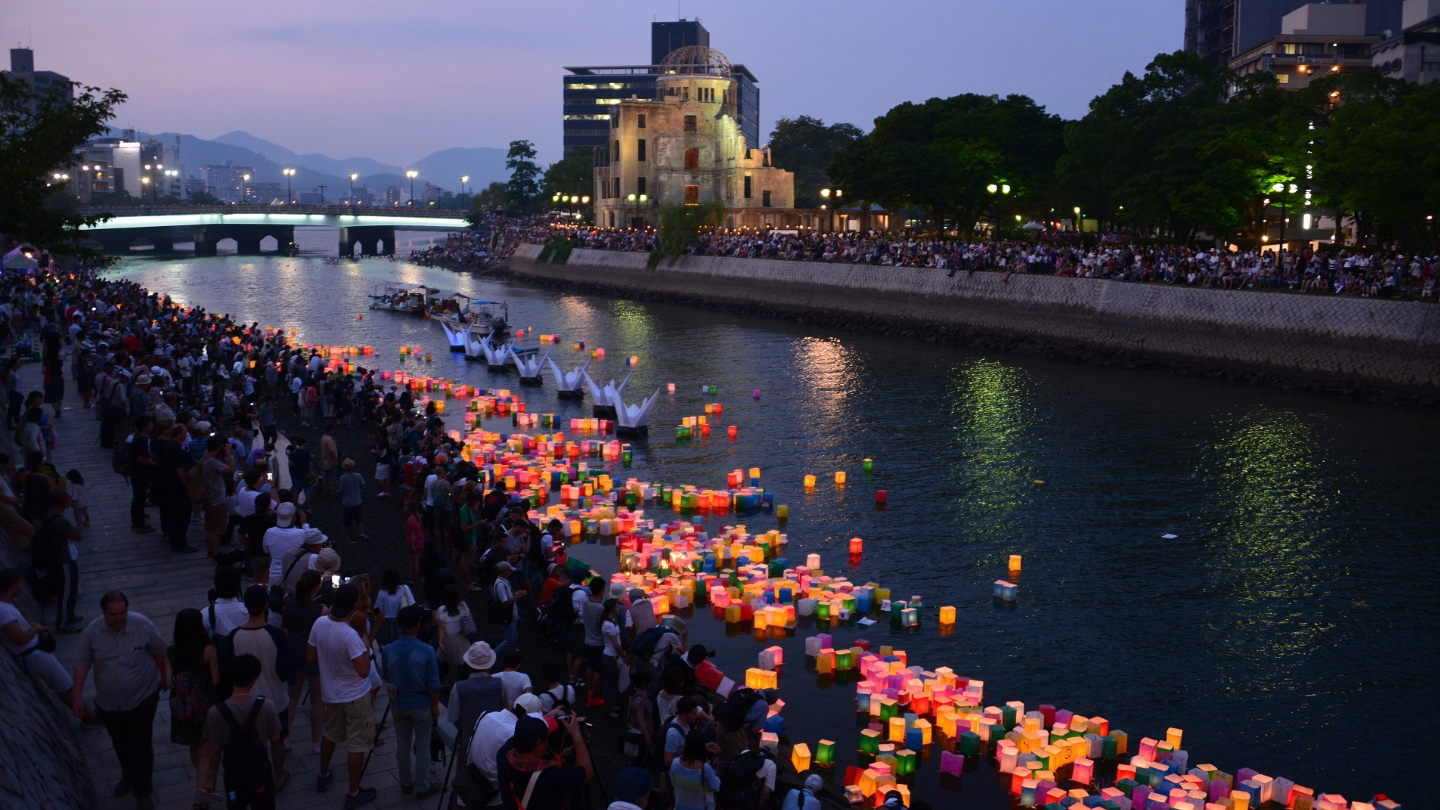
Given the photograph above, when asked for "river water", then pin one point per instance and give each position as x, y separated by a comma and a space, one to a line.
1290, 626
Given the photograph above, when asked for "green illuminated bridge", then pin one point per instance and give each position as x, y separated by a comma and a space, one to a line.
371, 230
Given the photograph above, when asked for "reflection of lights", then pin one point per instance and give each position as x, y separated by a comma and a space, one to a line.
828, 373
992, 412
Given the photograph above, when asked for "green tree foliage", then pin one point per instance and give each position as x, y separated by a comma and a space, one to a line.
680, 224
572, 175
807, 147
944, 154
523, 190
39, 134
491, 200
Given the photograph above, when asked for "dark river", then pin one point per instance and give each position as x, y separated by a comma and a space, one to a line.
1290, 626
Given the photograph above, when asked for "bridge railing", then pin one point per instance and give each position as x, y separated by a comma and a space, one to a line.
332, 210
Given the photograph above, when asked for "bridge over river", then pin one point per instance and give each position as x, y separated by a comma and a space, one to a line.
371, 230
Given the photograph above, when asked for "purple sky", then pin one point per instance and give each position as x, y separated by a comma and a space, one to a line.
397, 81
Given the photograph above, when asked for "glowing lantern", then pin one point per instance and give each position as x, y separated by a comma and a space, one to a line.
809, 482
840, 479
800, 757
825, 754
947, 615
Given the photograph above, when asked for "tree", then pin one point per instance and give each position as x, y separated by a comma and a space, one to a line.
491, 199
203, 198
573, 175
680, 224
807, 147
39, 134
945, 155
522, 191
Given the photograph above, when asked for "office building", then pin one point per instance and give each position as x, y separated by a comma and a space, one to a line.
1412, 53
1222, 30
226, 182
1315, 40
685, 146
22, 67
588, 93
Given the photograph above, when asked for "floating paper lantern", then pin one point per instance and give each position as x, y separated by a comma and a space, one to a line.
1083, 771
669, 388
857, 545
1015, 563
947, 615
809, 482
882, 497
840, 479
952, 764
1008, 591
800, 757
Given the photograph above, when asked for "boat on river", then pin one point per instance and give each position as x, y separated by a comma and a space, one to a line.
394, 296
465, 319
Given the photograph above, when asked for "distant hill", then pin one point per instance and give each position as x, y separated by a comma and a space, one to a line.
266, 159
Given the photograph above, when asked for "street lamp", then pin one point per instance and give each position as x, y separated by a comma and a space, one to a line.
145, 181
412, 174
1078, 229
244, 194
1281, 188
639, 200
353, 178
289, 173
464, 178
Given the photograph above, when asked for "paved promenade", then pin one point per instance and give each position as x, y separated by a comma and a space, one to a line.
160, 584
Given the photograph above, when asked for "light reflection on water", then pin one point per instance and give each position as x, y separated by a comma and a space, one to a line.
1242, 631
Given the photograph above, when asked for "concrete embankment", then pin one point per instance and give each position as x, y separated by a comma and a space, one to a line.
1311, 341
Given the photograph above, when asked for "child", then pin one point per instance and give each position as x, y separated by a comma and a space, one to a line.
79, 498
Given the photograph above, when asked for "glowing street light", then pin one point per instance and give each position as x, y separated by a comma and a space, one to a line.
464, 178
412, 174
353, 178
289, 173
244, 194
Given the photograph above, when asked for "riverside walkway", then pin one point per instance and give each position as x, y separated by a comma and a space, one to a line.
160, 584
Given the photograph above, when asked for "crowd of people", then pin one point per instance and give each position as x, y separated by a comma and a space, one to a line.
189, 406
487, 246
1378, 273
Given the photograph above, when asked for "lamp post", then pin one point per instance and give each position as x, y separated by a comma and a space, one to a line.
353, 178
1286, 191
1078, 229
831, 196
145, 181
244, 192
464, 178
584, 200
412, 174
289, 173
322, 194
638, 200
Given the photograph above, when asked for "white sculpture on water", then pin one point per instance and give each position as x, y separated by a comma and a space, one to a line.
495, 356
606, 399
633, 419
530, 367
567, 383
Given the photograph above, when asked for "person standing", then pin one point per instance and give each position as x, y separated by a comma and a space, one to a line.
236, 732
344, 665
414, 676
196, 667
142, 473
278, 542
59, 536
128, 657
502, 607
329, 462
351, 486
216, 471
172, 489
267, 643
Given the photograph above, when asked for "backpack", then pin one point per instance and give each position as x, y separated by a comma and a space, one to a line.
646, 642
246, 762
499, 612
120, 460
46, 550
188, 702
739, 786
559, 610
224, 657
195, 488
731, 714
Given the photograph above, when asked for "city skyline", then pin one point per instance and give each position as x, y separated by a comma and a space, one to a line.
503, 64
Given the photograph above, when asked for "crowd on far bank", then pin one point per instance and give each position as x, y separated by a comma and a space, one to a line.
487, 246
1377, 273
187, 406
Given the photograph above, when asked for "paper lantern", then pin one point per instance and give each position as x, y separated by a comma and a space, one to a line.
825, 754
1007, 591
947, 615
951, 764
869, 741
1083, 771
840, 479
897, 729
857, 545
800, 757
809, 482
1015, 563
812, 561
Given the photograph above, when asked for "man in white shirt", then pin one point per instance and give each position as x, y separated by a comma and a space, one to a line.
494, 730
228, 611
344, 665
281, 540
513, 682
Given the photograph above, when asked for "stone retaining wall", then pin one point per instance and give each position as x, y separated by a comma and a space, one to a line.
1394, 344
42, 764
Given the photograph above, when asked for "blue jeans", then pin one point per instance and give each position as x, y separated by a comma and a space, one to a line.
412, 742
511, 638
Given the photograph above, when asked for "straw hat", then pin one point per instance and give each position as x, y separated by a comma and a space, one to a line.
348, 464
327, 562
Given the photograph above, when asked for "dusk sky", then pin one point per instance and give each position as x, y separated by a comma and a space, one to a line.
397, 81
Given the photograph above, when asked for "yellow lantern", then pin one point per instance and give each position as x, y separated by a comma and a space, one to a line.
800, 757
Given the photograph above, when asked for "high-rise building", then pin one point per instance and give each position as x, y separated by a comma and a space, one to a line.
227, 182
22, 67
589, 92
1315, 40
1412, 53
1220, 30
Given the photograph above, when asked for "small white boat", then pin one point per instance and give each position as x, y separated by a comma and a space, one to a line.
392, 296
461, 316
567, 383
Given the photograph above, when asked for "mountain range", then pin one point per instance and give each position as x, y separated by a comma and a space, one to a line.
266, 159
